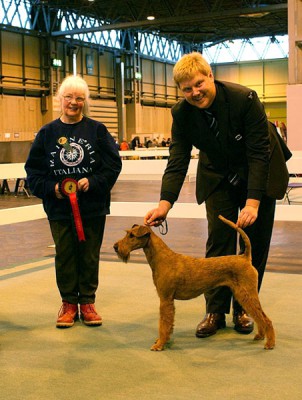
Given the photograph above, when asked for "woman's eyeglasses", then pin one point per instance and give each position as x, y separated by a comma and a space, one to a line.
77, 99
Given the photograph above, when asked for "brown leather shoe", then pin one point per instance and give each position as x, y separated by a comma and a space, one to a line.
210, 324
89, 315
68, 313
243, 323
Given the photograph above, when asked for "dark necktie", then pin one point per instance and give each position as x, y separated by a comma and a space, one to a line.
233, 177
213, 124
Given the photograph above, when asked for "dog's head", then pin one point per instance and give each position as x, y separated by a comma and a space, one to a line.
136, 238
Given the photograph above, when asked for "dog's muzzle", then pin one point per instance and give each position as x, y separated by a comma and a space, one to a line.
123, 257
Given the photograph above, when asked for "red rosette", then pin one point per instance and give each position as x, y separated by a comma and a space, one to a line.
68, 186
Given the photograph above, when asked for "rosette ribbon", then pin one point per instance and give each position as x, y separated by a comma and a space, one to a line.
69, 188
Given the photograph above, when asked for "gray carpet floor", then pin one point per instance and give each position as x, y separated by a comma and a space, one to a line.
113, 362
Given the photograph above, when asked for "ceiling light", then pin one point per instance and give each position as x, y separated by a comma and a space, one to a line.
150, 17
254, 15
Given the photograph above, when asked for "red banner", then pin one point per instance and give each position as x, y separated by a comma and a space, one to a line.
77, 216
69, 188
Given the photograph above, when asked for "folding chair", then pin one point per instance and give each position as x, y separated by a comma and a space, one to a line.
293, 185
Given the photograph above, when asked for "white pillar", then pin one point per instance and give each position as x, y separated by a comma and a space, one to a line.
294, 88
74, 63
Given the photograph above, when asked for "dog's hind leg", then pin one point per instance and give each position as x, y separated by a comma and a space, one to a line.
269, 332
265, 326
251, 304
166, 322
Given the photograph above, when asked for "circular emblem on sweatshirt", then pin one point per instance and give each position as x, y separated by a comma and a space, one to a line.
72, 157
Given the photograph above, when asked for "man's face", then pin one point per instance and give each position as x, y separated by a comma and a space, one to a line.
199, 91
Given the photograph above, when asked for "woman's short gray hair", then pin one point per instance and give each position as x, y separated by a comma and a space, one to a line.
74, 83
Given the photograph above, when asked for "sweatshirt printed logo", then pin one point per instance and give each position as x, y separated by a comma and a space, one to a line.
73, 157
69, 158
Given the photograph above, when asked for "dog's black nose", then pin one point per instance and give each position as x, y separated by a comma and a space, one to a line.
115, 246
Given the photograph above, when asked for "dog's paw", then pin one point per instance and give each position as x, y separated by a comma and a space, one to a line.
157, 346
269, 346
258, 337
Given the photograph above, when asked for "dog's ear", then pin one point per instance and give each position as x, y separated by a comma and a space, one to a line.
133, 226
141, 231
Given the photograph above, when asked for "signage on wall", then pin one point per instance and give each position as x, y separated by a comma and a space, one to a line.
89, 64
56, 62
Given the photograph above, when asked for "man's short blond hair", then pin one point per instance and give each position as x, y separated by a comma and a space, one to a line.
189, 65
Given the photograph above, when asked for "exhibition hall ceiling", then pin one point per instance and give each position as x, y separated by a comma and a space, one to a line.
187, 21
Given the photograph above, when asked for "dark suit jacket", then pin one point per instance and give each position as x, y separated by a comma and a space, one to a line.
246, 144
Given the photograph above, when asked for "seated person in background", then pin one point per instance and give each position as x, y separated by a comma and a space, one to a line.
135, 142
148, 143
124, 145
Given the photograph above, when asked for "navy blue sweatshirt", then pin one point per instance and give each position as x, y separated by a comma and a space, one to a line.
94, 155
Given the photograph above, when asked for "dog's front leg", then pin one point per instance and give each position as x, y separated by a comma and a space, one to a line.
166, 321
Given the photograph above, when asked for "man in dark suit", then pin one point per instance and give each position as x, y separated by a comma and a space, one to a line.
240, 174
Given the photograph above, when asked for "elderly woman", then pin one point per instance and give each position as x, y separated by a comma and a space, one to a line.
72, 166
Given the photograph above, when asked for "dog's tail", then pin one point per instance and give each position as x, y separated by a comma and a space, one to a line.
248, 249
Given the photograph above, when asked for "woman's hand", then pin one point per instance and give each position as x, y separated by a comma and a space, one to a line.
58, 193
83, 185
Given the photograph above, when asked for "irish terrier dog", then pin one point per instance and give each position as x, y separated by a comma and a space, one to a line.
181, 277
